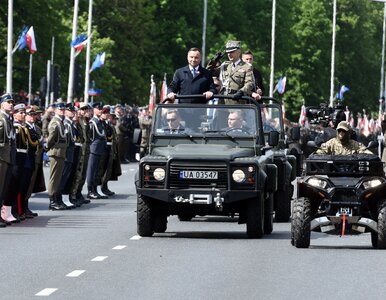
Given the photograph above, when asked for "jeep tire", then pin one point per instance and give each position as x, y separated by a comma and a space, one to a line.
268, 215
144, 216
255, 217
301, 223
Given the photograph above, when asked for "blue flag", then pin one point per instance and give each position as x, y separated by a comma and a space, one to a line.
98, 62
22, 40
343, 89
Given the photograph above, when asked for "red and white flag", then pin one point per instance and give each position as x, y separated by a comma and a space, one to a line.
302, 118
164, 90
30, 39
153, 94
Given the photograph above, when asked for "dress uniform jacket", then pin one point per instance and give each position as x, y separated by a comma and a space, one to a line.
57, 140
238, 78
7, 138
98, 137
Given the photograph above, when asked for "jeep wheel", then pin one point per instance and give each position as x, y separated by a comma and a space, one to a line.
185, 217
379, 238
144, 217
268, 215
301, 223
283, 205
255, 217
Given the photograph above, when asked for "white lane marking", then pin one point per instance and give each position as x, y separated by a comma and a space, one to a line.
99, 258
46, 292
119, 247
75, 273
135, 237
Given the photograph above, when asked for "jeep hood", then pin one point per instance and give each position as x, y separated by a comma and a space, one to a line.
187, 151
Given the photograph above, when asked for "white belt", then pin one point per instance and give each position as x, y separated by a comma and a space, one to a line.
21, 150
109, 143
78, 144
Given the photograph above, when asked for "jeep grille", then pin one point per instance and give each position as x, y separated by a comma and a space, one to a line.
176, 183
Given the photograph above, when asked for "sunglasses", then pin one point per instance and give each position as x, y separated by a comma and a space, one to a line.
171, 120
342, 130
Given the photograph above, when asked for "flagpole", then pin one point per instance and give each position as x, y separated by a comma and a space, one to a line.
204, 32
87, 68
72, 54
48, 83
51, 68
9, 47
382, 90
271, 83
30, 80
333, 56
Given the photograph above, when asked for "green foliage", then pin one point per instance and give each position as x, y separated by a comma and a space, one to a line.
145, 37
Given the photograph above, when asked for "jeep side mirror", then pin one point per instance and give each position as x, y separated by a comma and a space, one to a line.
295, 133
372, 145
273, 138
137, 135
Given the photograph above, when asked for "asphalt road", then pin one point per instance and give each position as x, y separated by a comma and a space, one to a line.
93, 252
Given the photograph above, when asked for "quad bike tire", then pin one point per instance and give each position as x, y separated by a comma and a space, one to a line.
301, 223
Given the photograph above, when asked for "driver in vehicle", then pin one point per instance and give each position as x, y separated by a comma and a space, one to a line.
174, 125
236, 122
342, 144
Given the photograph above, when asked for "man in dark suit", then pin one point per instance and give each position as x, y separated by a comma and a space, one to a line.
192, 79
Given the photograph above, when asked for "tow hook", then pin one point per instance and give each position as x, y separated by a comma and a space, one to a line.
218, 200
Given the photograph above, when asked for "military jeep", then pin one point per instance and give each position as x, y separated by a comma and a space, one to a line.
203, 167
288, 161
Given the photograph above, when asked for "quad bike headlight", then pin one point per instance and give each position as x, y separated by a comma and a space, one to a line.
371, 183
159, 174
317, 182
238, 175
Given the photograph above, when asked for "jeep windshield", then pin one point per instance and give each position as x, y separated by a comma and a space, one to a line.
230, 121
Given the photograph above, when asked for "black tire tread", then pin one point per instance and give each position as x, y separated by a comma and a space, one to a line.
301, 223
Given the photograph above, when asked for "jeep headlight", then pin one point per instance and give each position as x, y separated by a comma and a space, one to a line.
317, 182
371, 183
238, 176
159, 174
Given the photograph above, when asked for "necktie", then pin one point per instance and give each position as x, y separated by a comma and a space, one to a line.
194, 72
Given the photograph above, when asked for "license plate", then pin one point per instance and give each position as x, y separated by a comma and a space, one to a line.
187, 174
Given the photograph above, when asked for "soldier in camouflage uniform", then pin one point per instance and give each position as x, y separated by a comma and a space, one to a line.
342, 144
145, 125
236, 75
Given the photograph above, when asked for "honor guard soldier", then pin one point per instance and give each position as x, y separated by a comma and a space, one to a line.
7, 149
37, 183
32, 139
107, 161
84, 112
12, 203
236, 75
57, 147
71, 133
97, 150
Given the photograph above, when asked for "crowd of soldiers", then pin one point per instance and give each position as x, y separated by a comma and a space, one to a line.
85, 145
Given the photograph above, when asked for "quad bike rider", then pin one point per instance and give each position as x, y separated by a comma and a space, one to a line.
343, 191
